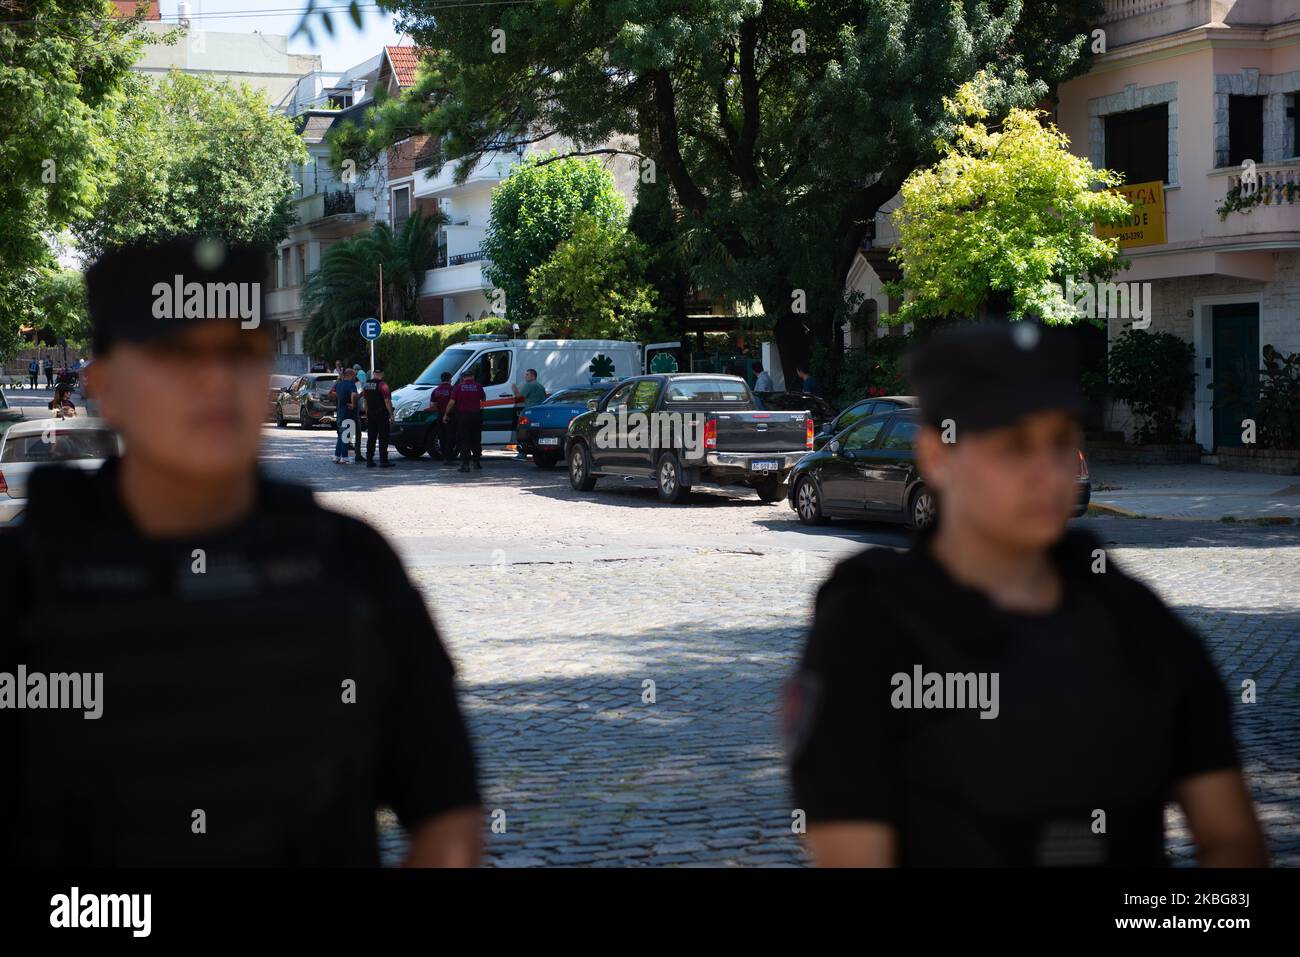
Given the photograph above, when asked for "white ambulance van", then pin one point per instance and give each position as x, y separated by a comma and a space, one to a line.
500, 362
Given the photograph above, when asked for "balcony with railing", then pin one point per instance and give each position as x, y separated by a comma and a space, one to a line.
1262, 199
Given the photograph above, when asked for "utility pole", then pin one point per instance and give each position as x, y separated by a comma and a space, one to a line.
381, 316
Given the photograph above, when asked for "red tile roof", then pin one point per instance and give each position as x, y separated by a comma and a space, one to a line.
405, 60
126, 8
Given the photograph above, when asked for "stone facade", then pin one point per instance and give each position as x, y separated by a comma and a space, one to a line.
1132, 98
1279, 92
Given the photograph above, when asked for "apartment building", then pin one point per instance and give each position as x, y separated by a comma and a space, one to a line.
330, 206
1199, 99
261, 60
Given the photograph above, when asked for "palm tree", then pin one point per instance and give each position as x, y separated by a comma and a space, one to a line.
345, 289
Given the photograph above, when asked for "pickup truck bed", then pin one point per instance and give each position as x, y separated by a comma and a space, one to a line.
684, 430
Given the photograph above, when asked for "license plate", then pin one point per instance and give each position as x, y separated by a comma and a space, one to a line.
764, 465
550, 441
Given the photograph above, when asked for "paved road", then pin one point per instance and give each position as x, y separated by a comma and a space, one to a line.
573, 604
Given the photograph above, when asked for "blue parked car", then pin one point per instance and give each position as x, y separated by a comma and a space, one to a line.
540, 429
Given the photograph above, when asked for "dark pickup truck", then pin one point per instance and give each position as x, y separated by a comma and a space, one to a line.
684, 430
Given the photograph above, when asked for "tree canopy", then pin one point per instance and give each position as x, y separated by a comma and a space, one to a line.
781, 125
533, 211
196, 156
62, 68
593, 286
1007, 213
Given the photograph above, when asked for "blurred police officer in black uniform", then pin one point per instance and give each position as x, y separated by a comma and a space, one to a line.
260, 698
1105, 707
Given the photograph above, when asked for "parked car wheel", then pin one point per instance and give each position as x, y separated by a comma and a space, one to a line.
808, 503
409, 451
546, 460
769, 490
924, 510
279, 418
668, 479
580, 476
304, 420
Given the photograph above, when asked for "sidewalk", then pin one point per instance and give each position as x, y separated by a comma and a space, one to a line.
1194, 491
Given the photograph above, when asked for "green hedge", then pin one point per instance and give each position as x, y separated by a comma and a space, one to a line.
403, 350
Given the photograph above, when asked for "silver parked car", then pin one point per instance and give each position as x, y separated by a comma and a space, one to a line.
82, 443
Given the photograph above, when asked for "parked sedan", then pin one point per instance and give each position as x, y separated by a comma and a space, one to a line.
869, 471
541, 428
77, 443
278, 384
863, 408
307, 401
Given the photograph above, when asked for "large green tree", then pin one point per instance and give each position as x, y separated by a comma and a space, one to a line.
196, 156
781, 125
62, 67
533, 211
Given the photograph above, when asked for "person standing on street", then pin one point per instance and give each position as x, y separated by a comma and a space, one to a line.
532, 393
34, 372
49, 373
809, 383
762, 380
1014, 699
439, 399
223, 732
379, 416
467, 401
345, 418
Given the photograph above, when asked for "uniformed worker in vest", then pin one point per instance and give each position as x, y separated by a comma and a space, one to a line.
1003, 693
466, 404
269, 676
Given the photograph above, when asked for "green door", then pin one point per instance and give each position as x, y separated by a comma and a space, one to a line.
1236, 370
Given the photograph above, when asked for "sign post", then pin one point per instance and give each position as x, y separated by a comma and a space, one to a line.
370, 332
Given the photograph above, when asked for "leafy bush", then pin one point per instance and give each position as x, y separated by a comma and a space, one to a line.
405, 350
533, 211
845, 376
1152, 372
1279, 400
593, 286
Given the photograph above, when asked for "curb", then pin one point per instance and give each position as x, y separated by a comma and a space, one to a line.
1114, 511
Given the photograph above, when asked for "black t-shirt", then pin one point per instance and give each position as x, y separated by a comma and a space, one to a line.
287, 690
1091, 715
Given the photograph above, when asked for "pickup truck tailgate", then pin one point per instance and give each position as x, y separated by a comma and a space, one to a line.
761, 431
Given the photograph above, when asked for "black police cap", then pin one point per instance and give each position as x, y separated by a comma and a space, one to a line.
988, 375
146, 291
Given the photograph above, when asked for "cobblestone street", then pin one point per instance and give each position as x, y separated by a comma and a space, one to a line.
620, 660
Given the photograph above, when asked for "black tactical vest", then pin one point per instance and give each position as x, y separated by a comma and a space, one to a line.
225, 736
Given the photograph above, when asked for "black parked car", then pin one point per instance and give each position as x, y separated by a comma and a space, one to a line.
863, 408
308, 400
869, 471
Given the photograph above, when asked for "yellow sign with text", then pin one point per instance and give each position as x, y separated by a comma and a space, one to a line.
1146, 226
